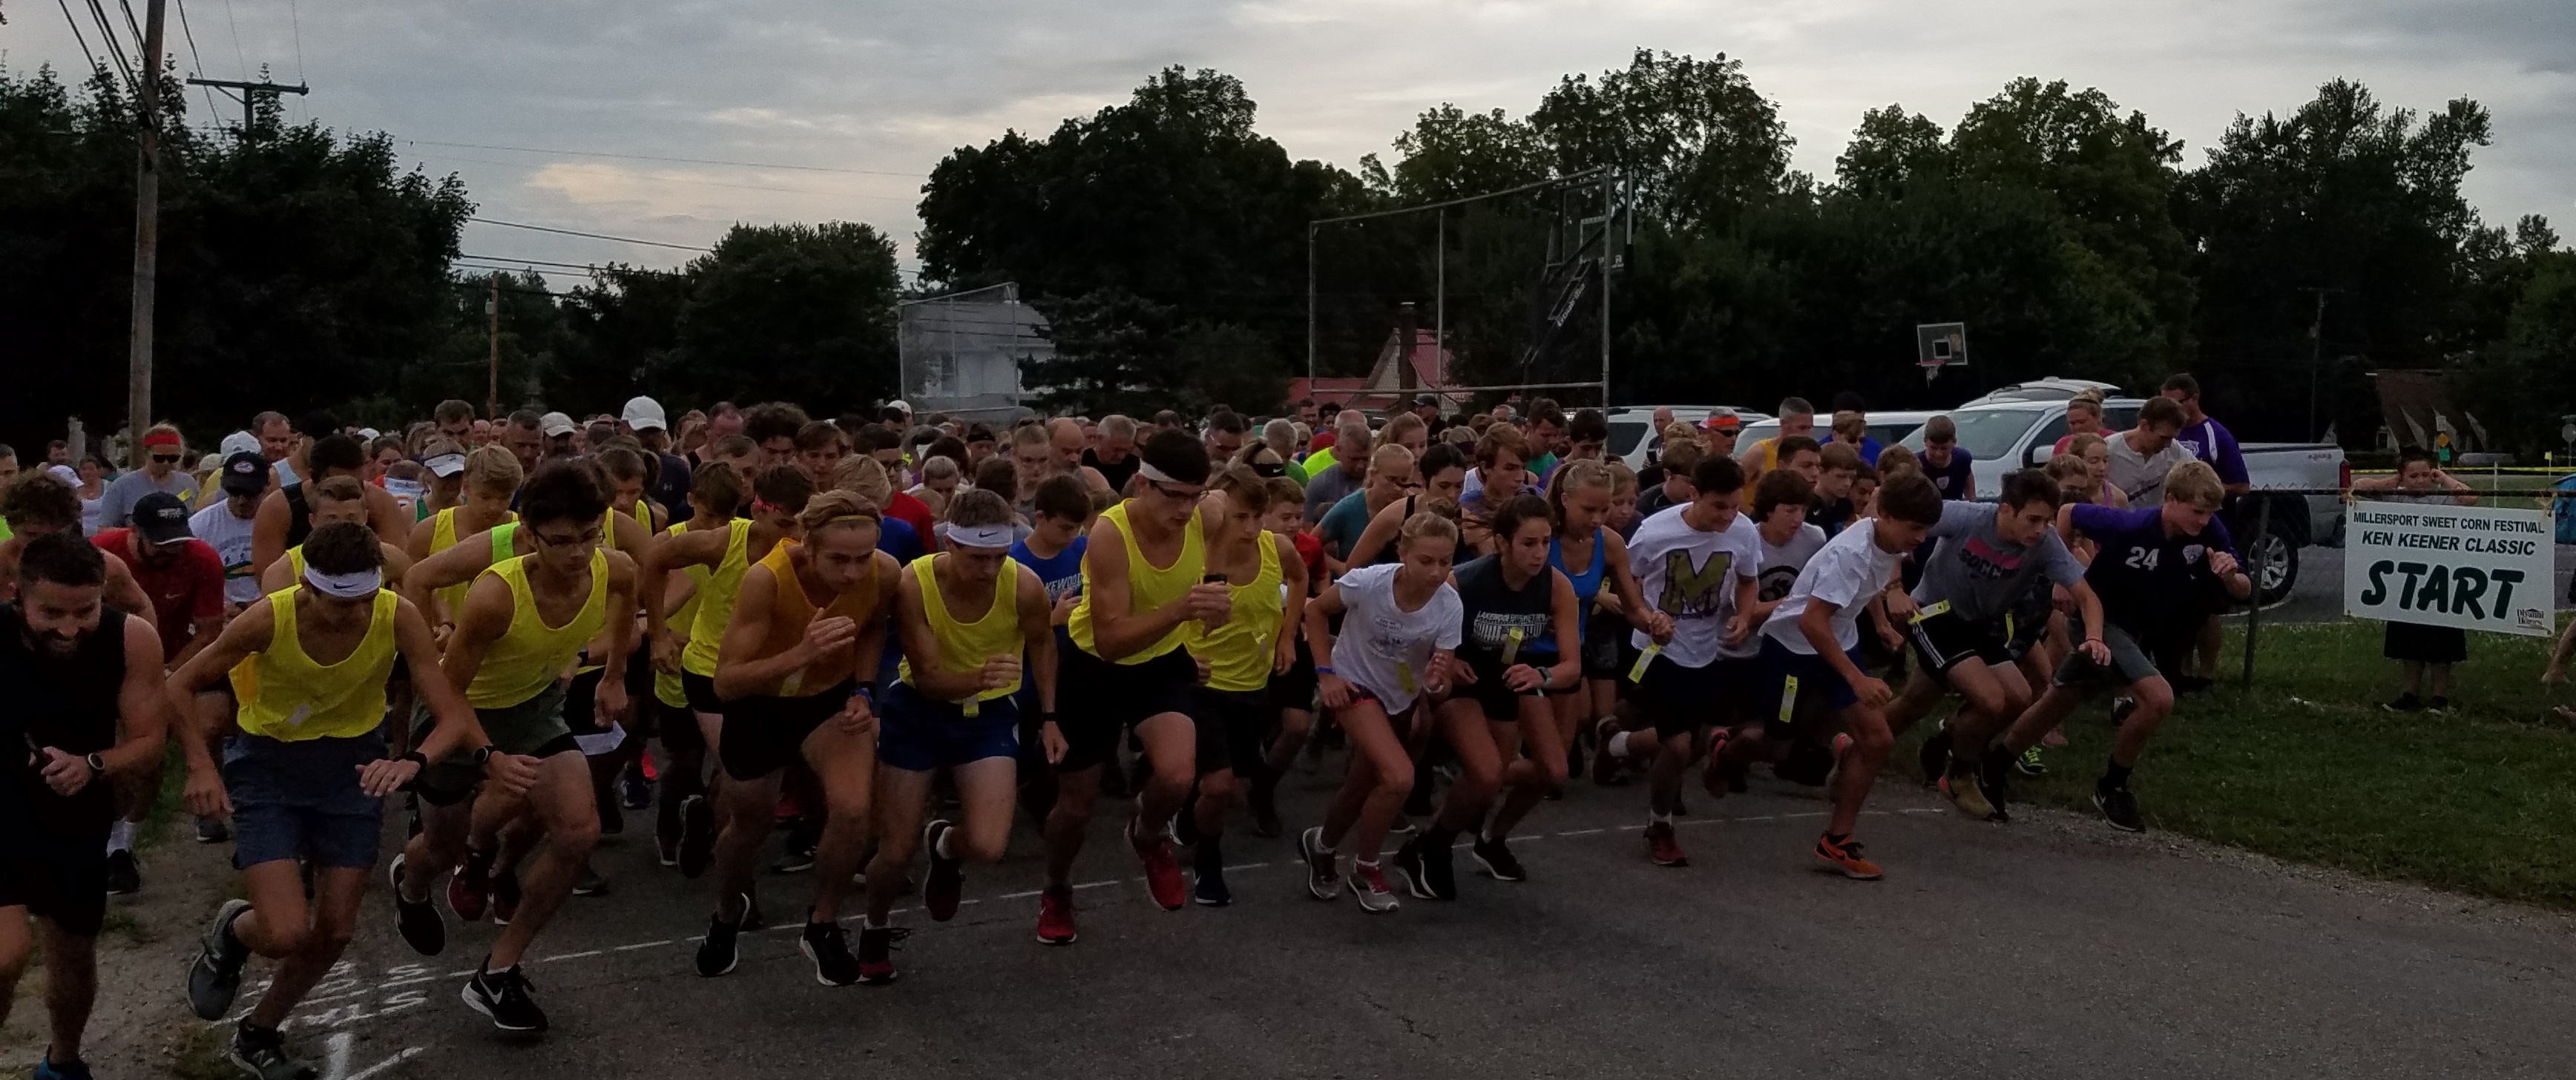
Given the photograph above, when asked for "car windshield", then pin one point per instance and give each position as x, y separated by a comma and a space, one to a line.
1986, 434
1625, 435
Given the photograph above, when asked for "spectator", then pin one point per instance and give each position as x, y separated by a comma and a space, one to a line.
1797, 419
2143, 456
2424, 653
2205, 438
160, 472
1947, 463
90, 483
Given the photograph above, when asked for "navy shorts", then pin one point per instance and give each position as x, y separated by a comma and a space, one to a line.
1797, 689
302, 799
1682, 700
920, 734
1098, 702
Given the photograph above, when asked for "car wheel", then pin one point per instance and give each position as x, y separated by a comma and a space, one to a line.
2279, 559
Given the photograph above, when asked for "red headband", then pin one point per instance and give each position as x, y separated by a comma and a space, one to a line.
161, 438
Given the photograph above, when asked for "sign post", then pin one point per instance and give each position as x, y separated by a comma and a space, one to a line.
2472, 567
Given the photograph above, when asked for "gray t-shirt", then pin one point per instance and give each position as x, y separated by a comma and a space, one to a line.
1977, 572
2138, 476
116, 504
1327, 488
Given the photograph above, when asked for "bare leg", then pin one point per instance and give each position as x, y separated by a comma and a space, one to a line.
16, 948
1480, 768
337, 892
1870, 743
1370, 798
899, 797
1171, 746
750, 811
71, 987
564, 807
439, 847
1067, 823
1544, 735
847, 766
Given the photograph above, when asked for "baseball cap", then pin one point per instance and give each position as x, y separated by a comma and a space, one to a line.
162, 519
445, 465
645, 414
246, 473
1724, 419
556, 424
900, 403
239, 442
1426, 399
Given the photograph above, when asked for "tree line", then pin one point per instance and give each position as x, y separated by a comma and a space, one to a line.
1166, 238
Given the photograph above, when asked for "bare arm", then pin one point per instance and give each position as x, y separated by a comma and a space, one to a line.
140, 702
1566, 613
696, 547
1292, 614
268, 532
1115, 630
488, 610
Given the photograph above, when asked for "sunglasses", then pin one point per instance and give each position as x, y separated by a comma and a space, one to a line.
166, 459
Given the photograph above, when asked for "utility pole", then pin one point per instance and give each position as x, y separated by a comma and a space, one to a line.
250, 92
1408, 325
2316, 351
492, 310
147, 234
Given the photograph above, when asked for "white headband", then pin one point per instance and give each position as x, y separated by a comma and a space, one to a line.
982, 536
345, 586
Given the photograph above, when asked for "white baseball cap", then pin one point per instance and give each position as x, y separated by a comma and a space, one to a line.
645, 414
900, 403
556, 425
239, 442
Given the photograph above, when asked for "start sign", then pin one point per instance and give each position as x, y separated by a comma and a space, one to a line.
2466, 566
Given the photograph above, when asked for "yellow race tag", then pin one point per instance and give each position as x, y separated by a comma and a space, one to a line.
1637, 674
1404, 676
1512, 646
1931, 610
1789, 699
972, 707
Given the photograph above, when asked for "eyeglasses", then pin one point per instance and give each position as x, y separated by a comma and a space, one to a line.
166, 459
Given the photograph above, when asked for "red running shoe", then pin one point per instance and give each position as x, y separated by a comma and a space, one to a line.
1662, 847
1055, 917
469, 888
1162, 871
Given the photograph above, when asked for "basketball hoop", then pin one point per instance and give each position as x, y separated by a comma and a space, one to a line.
1940, 345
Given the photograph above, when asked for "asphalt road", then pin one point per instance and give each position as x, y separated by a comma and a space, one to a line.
2050, 947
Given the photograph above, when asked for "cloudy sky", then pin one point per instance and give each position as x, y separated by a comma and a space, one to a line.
813, 109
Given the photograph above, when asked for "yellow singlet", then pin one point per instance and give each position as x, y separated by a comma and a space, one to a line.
286, 696
1239, 652
530, 654
964, 647
1148, 586
666, 686
715, 599
442, 536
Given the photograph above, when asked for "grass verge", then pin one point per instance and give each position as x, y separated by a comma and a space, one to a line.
2307, 766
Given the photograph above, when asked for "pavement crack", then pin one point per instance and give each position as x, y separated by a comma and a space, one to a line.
1410, 1028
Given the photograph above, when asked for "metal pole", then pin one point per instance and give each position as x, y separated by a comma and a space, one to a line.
1606, 182
492, 309
2254, 614
1440, 299
1310, 309
147, 237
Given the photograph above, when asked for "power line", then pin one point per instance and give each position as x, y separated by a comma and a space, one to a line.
553, 262
589, 235
656, 157
77, 35
238, 56
667, 178
114, 46
190, 33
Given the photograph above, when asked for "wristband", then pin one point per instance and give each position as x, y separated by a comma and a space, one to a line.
1045, 718
867, 687
417, 775
1323, 670
416, 758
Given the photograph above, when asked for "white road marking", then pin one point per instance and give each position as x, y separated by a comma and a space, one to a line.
336, 1063
409, 1052
641, 945
571, 956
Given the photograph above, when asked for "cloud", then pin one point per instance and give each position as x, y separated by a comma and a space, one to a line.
895, 86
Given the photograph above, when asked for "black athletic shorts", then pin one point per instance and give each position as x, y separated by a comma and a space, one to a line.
58, 877
700, 692
1097, 702
1296, 689
678, 727
1237, 729
1944, 640
1500, 703
764, 734
1602, 638
1685, 699
2027, 624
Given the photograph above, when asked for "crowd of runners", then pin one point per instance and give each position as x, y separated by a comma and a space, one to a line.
885, 635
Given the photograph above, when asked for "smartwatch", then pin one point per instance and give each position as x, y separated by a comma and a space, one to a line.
97, 764
482, 754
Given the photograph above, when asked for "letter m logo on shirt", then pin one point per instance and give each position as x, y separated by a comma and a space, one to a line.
1694, 591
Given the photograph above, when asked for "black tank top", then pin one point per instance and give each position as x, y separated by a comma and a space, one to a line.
1117, 474
299, 515
66, 702
1494, 610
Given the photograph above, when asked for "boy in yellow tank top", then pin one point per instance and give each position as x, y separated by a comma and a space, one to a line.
492, 476
308, 773
778, 494
522, 630
966, 618
1266, 583
1143, 571
798, 672
715, 494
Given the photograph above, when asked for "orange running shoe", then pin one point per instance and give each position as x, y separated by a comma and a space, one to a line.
1845, 857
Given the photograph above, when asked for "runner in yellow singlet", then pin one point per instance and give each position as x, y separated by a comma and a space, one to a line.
1266, 582
689, 649
491, 477
307, 775
1142, 578
339, 498
966, 616
715, 492
798, 672
525, 623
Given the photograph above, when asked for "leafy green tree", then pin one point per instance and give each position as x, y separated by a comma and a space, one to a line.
802, 313
1114, 351
1693, 135
622, 338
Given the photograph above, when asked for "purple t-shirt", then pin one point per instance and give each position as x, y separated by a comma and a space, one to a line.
1958, 479
2210, 441
2141, 573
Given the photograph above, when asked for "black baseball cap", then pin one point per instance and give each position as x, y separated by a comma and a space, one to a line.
245, 473
162, 519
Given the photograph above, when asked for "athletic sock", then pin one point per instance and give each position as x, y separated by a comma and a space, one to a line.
1619, 745
1663, 817
2117, 776
120, 837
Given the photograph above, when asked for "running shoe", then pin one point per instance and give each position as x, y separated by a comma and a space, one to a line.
1162, 871
697, 835
1712, 775
1606, 770
1960, 784
507, 998
2406, 702
2118, 807
1497, 860
1994, 780
1323, 878
216, 975
876, 953
1207, 885
2437, 704
2030, 762
1412, 868
637, 790
591, 883
469, 888
1934, 757
1368, 886
505, 896
49, 1069
1845, 857
797, 857
418, 920
947, 876
124, 877
720, 952
1055, 917
828, 946
261, 1052
213, 831
1184, 827
666, 850
1662, 847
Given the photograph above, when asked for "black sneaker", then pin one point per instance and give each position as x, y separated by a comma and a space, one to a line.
1208, 868
719, 953
213, 831
1934, 757
2437, 704
505, 997
421, 926
215, 976
2406, 702
591, 883
261, 1052
124, 878
505, 896
828, 946
697, 835
1407, 866
947, 881
876, 952
638, 792
1425, 868
796, 859
1497, 860
2118, 807
1994, 779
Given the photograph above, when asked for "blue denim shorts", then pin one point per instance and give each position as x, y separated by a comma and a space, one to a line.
302, 798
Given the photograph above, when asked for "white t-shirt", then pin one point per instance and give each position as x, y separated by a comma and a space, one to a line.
230, 537
1385, 649
2140, 477
1845, 572
1780, 566
1692, 576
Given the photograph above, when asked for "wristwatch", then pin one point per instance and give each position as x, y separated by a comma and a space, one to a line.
482, 754
97, 764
